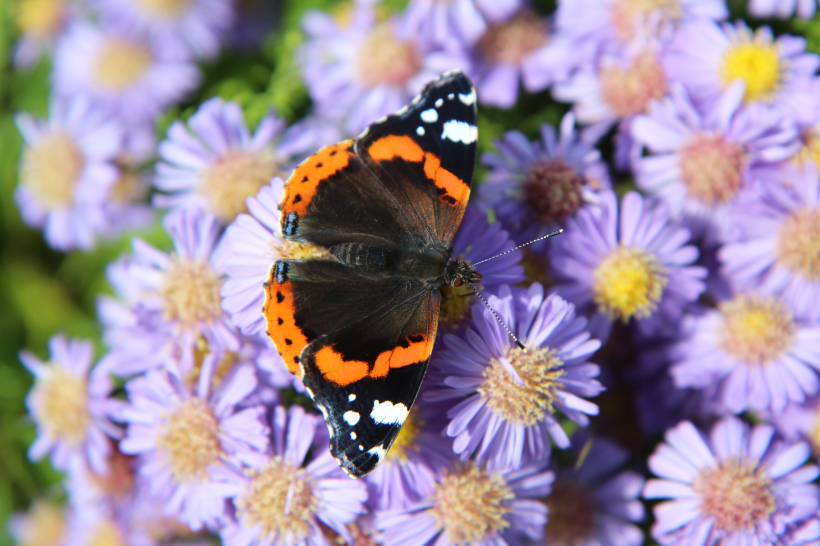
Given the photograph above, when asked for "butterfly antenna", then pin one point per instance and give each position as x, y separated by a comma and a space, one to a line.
553, 234
501, 322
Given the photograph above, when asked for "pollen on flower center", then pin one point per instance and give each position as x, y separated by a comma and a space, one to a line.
736, 495
40, 17
120, 63
798, 248
756, 330
629, 282
810, 151
406, 439
511, 41
456, 302
626, 15
51, 169
711, 168
471, 503
572, 514
524, 403
129, 188
384, 59
190, 293
188, 440
552, 190
629, 90
106, 533
165, 9
757, 64
280, 501
62, 405
45, 525
235, 177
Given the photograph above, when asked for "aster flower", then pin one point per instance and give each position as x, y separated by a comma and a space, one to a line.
453, 23
700, 162
183, 436
754, 350
633, 264
67, 172
593, 503
783, 9
365, 70
533, 187
181, 30
127, 207
115, 489
43, 523
708, 58
736, 486
472, 505
214, 162
775, 252
287, 498
70, 405
120, 73
799, 422
507, 398
40, 22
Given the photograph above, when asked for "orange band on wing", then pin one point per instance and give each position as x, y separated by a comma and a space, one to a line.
280, 316
336, 369
301, 186
455, 190
418, 350
393, 146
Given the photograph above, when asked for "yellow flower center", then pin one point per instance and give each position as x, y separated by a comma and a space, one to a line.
51, 169
814, 437
106, 534
235, 177
383, 59
712, 169
755, 62
40, 17
165, 9
629, 90
61, 406
571, 514
44, 525
798, 248
736, 495
190, 293
226, 363
120, 64
471, 504
810, 151
406, 439
629, 282
129, 188
511, 41
456, 302
756, 330
628, 15
527, 402
280, 502
188, 441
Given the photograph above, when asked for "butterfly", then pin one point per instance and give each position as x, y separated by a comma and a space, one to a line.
358, 323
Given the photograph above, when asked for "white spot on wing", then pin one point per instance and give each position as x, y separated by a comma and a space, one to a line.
351, 398
451, 96
467, 99
351, 417
361, 448
352, 435
429, 116
439, 102
420, 130
378, 451
387, 413
460, 131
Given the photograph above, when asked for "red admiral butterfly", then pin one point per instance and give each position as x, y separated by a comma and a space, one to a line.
359, 325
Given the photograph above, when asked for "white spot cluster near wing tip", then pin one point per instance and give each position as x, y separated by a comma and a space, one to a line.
387, 413
467, 99
378, 451
460, 131
429, 116
351, 417
420, 130
439, 102
353, 436
351, 398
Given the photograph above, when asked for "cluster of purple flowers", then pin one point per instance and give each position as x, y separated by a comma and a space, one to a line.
682, 314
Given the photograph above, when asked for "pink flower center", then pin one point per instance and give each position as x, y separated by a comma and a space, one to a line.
628, 16
712, 168
384, 59
629, 90
736, 495
572, 514
756, 330
511, 41
552, 190
798, 248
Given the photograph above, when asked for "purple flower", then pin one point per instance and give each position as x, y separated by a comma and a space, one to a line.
736, 487
700, 162
507, 398
364, 70
120, 73
533, 187
67, 172
181, 30
775, 251
70, 405
284, 499
127, 207
632, 264
184, 436
753, 352
40, 22
472, 505
214, 162
170, 304
708, 58
453, 24
592, 503
799, 422
784, 9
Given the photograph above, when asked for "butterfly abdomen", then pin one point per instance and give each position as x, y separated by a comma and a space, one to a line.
363, 256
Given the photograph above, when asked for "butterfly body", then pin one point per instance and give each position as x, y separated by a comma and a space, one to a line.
359, 325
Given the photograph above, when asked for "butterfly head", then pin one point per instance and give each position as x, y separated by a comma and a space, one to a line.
458, 273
